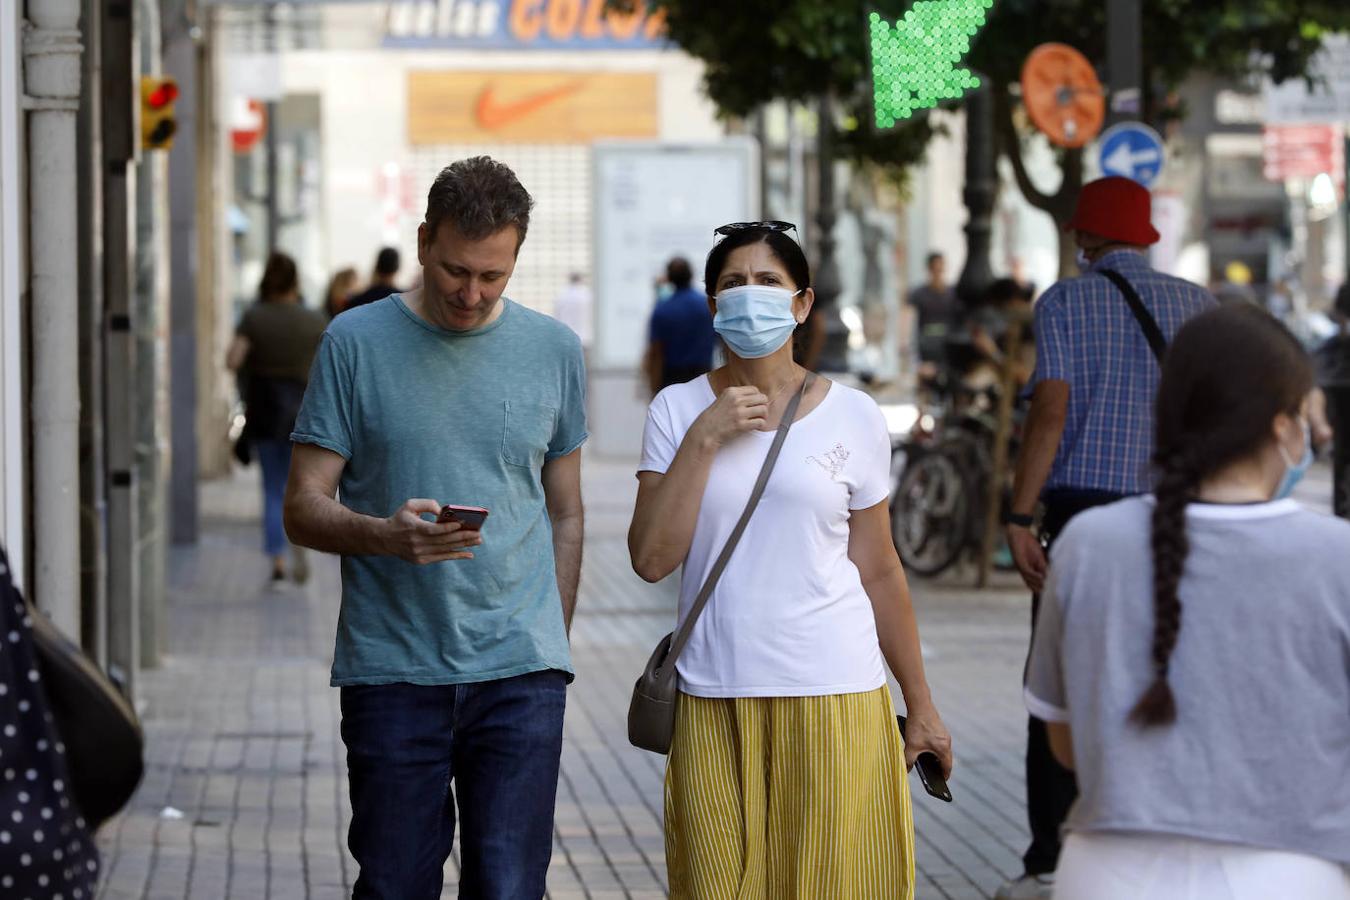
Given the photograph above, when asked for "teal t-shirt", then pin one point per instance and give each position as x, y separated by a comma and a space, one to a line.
459, 417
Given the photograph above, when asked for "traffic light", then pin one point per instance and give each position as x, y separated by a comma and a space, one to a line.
157, 120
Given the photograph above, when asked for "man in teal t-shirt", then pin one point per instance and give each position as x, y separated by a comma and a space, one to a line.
452, 653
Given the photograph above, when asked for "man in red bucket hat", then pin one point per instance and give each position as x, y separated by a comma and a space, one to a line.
1089, 434
1114, 210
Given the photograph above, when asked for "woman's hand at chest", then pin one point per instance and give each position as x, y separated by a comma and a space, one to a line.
667, 506
736, 411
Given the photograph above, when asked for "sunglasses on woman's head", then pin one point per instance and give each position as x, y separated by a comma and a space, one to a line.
771, 225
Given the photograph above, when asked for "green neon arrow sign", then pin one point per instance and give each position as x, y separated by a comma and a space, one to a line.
915, 61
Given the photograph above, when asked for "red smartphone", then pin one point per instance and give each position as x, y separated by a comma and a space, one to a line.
470, 518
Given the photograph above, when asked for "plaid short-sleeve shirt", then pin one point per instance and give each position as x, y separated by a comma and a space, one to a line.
1087, 337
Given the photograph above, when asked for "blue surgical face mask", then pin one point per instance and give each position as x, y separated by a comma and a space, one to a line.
754, 319
1294, 471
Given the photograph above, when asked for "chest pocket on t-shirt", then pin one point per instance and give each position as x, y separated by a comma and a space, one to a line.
526, 430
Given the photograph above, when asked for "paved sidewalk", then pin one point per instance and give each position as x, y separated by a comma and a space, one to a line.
245, 793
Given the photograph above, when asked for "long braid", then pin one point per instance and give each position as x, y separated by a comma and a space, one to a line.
1228, 376
1175, 488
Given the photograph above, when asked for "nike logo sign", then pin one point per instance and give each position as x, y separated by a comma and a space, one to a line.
494, 116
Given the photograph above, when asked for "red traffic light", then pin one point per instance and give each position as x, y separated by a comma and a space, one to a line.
157, 117
163, 95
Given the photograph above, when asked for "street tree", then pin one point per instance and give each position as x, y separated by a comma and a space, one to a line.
757, 51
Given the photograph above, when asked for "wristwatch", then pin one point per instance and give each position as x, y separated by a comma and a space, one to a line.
1020, 521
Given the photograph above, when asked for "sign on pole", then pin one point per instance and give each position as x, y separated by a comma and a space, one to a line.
1303, 151
1062, 95
1327, 102
1132, 150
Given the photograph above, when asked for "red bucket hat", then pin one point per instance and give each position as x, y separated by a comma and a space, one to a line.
1118, 209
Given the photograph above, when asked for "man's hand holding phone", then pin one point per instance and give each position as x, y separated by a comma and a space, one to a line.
471, 518
416, 540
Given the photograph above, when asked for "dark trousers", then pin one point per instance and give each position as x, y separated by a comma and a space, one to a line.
1338, 408
1051, 788
498, 742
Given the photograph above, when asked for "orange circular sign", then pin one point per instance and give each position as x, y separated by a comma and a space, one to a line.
1062, 95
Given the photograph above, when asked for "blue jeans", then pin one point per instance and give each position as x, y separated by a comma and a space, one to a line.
499, 742
275, 459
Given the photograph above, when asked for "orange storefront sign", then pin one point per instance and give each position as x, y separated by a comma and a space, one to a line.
523, 25
565, 20
452, 107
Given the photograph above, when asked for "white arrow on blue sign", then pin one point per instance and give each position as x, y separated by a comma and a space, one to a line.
1132, 150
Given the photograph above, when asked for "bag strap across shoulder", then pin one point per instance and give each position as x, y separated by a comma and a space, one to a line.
1152, 332
681, 636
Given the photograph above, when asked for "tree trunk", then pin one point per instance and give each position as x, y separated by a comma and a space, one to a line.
1059, 205
1071, 163
1068, 252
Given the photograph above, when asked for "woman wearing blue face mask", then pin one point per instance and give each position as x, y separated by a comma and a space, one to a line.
1191, 652
786, 776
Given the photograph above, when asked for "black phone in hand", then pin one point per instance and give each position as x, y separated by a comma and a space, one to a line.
930, 770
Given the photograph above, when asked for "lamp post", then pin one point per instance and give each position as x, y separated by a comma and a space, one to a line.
981, 183
1124, 66
834, 353
273, 214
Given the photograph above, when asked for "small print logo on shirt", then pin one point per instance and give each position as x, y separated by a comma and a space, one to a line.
833, 461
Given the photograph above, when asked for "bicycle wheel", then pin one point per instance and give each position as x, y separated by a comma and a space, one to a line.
930, 514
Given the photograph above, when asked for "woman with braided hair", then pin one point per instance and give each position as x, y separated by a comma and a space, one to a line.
1192, 650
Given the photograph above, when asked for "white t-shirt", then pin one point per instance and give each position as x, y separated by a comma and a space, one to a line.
789, 617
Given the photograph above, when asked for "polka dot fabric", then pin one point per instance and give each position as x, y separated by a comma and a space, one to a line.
46, 852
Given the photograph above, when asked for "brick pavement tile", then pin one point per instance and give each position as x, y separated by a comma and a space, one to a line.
242, 728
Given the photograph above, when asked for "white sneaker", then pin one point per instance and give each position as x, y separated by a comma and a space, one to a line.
1028, 887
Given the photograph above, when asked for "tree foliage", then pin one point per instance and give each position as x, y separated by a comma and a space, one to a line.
757, 51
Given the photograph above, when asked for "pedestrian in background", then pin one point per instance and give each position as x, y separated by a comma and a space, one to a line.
1334, 375
681, 339
1192, 652
936, 312
1236, 285
787, 772
452, 653
1088, 434
1004, 303
272, 351
340, 289
383, 280
572, 307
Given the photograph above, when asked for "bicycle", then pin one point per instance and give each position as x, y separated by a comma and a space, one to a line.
938, 511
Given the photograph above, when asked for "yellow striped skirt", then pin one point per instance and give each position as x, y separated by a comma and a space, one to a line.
788, 798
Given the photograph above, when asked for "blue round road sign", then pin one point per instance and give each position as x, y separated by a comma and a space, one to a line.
1132, 150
